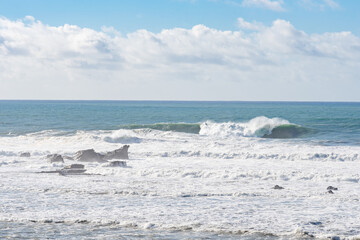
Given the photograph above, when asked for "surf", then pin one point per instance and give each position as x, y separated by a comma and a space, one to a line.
261, 127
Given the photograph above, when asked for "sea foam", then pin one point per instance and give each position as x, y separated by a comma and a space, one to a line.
256, 127
177, 180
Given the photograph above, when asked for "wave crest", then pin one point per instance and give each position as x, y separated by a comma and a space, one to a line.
256, 127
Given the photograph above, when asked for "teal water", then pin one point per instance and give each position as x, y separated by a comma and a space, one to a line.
327, 122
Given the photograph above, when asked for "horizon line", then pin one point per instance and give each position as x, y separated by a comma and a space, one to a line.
118, 100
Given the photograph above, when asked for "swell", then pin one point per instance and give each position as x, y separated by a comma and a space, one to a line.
287, 131
260, 127
257, 127
174, 127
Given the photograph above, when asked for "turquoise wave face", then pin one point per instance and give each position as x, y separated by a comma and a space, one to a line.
288, 131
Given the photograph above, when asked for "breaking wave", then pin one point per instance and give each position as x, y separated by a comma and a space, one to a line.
261, 127
256, 127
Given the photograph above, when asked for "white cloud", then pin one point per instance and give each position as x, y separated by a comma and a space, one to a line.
275, 5
278, 62
256, 26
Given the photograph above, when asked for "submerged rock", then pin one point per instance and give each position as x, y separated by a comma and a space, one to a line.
88, 155
121, 153
55, 158
25, 154
117, 164
73, 169
75, 166
316, 223
82, 221
278, 187
308, 234
330, 192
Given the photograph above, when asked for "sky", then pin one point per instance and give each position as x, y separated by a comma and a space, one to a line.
217, 50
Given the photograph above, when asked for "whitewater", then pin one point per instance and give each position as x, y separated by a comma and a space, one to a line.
195, 170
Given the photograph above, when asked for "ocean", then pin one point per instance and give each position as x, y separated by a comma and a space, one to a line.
204, 170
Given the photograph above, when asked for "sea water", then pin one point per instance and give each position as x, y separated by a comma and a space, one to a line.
195, 170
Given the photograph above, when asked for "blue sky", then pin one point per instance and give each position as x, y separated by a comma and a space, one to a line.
298, 50
312, 16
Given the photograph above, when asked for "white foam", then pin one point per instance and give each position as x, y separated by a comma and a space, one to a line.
206, 182
122, 136
256, 127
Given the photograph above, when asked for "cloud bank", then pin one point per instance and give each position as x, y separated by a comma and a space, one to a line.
277, 62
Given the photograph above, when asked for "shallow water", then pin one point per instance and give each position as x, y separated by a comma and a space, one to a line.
214, 183
111, 231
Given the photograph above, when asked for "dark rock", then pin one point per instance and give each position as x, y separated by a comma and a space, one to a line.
330, 192
117, 164
121, 153
82, 221
75, 166
332, 188
335, 238
308, 234
278, 187
89, 155
73, 169
315, 223
25, 154
55, 158
56, 171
